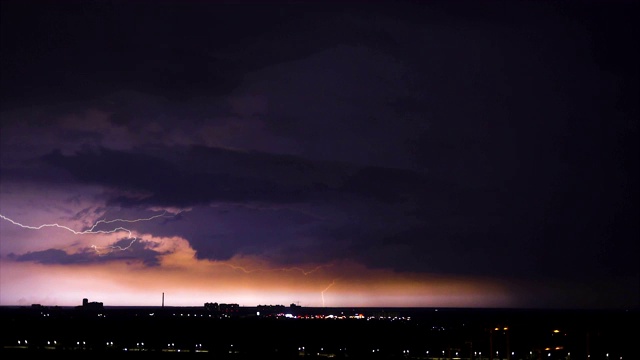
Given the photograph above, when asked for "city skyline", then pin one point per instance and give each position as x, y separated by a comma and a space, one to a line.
339, 154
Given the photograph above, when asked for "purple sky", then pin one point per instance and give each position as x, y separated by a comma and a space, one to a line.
480, 153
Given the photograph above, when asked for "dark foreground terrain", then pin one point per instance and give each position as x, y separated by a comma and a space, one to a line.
297, 333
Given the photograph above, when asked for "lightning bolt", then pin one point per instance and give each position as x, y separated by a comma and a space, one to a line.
325, 289
303, 271
92, 229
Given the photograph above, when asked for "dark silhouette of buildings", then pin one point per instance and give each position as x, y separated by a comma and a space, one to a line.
93, 305
230, 331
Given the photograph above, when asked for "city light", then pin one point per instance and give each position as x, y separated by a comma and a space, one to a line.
499, 345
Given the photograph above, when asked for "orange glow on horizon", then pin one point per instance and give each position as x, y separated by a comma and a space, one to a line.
190, 282
246, 280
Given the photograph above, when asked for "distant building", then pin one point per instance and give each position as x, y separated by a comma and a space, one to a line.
222, 309
94, 305
213, 307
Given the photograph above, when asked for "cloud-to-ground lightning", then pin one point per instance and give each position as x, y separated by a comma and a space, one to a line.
92, 229
325, 289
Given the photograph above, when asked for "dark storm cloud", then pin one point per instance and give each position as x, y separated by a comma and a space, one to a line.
197, 175
367, 205
383, 217
134, 251
200, 175
479, 138
174, 49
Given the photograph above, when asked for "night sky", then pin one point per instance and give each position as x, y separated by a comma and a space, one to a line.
436, 153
